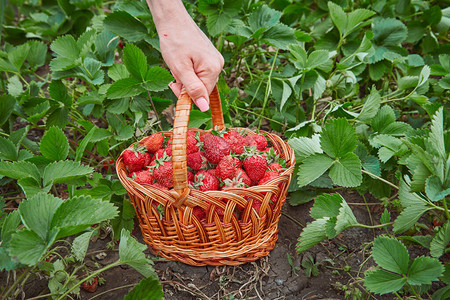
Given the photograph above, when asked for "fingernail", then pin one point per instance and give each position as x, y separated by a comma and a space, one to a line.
170, 84
202, 104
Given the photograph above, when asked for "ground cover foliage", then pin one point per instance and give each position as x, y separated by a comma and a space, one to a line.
360, 89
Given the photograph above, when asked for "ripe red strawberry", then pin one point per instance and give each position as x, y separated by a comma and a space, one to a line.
108, 164
249, 141
276, 167
231, 133
256, 205
204, 181
240, 180
162, 170
226, 168
160, 153
153, 142
267, 177
143, 176
215, 148
197, 161
192, 143
261, 141
160, 186
136, 158
90, 285
237, 162
213, 172
190, 177
255, 165
199, 213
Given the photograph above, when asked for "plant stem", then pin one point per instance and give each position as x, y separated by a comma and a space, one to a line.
414, 291
292, 219
379, 178
154, 109
114, 264
374, 226
268, 90
444, 201
5, 295
111, 290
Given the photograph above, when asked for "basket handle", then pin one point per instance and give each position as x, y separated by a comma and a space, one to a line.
180, 127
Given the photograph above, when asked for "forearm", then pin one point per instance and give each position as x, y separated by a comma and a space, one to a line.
168, 14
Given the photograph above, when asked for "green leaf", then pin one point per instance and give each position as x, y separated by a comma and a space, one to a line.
198, 118
424, 270
18, 55
31, 187
312, 234
263, 17
304, 147
7, 103
37, 213
66, 46
125, 25
406, 197
54, 144
383, 118
436, 138
299, 54
390, 254
355, 18
385, 217
20, 169
118, 71
6, 262
80, 245
345, 219
338, 138
124, 88
75, 215
58, 91
15, 87
287, 91
8, 150
424, 75
135, 61
83, 144
409, 216
131, 253
317, 58
157, 79
347, 171
219, 15
383, 282
10, 225
338, 16
389, 32
440, 240
63, 171
326, 205
36, 55
312, 167
443, 293
371, 106
298, 197
435, 190
27, 247
148, 289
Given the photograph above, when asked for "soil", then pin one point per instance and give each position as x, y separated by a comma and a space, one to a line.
339, 262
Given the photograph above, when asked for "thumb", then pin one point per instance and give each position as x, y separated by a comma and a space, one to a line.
196, 89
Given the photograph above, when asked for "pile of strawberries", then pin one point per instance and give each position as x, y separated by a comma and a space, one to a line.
216, 161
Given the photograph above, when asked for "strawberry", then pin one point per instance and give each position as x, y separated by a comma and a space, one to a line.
213, 172
276, 167
136, 158
231, 133
143, 176
90, 285
256, 205
190, 177
267, 177
197, 161
204, 181
240, 180
153, 142
226, 168
192, 143
237, 162
199, 213
160, 153
160, 186
215, 148
261, 141
248, 141
255, 164
162, 170
108, 164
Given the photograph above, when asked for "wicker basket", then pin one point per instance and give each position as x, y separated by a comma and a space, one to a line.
181, 236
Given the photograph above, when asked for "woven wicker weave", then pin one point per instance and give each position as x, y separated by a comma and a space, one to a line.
179, 235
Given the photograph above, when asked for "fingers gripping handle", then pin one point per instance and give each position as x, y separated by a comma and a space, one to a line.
180, 127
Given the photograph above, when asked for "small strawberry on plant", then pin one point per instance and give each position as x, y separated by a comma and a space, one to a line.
136, 158
90, 285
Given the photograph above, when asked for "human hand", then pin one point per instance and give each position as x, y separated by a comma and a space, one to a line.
193, 60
